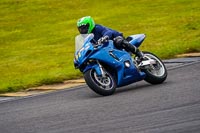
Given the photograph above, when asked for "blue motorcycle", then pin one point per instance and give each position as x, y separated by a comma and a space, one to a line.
105, 67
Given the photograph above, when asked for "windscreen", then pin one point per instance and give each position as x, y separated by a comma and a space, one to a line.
81, 39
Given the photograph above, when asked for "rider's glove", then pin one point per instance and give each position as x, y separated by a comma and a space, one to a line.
103, 39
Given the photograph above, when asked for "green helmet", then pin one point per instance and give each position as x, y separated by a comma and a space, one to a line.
85, 25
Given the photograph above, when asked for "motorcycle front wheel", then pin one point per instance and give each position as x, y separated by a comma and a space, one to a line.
156, 73
104, 86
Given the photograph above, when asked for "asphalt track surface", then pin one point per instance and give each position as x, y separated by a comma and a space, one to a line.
171, 107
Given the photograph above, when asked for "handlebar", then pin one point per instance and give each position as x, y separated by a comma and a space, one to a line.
103, 40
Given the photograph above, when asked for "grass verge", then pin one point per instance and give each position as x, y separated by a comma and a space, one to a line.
37, 36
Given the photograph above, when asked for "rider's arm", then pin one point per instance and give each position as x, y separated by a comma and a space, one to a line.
108, 32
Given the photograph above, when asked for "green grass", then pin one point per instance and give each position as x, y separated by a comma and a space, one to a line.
37, 36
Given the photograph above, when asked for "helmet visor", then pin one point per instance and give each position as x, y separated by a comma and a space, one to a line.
83, 29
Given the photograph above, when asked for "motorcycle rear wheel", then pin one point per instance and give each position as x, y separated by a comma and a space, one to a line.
156, 74
104, 86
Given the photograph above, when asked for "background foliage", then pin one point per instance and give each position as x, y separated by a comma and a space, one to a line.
37, 36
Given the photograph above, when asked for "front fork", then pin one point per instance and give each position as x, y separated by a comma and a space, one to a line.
99, 69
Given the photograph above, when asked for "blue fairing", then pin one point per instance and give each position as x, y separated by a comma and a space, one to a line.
113, 58
137, 39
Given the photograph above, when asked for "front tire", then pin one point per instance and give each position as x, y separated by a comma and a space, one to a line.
104, 86
157, 73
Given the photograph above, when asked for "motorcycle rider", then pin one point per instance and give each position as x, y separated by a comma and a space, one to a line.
86, 25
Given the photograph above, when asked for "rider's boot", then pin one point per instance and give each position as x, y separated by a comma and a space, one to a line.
133, 49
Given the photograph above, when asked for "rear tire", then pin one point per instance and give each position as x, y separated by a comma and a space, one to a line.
158, 73
104, 86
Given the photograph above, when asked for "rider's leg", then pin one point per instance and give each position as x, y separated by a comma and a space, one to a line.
120, 42
132, 48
